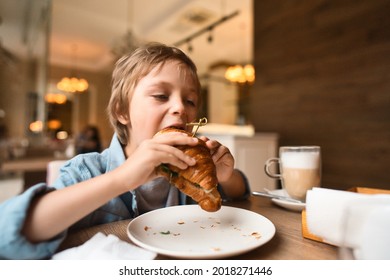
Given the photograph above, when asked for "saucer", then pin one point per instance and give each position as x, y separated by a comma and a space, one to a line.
287, 204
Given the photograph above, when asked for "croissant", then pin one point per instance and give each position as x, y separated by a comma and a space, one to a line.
198, 181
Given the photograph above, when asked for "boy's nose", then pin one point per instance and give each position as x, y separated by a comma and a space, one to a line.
178, 107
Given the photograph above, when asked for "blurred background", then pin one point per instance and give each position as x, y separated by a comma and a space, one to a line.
319, 74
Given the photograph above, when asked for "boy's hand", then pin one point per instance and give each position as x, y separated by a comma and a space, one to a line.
222, 158
141, 165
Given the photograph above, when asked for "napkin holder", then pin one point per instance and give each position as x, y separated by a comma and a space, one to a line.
305, 230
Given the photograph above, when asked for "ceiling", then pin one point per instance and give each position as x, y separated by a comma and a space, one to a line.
85, 32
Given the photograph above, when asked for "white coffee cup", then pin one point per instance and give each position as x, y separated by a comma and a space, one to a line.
300, 169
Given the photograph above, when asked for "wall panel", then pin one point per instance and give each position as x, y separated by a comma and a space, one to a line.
323, 77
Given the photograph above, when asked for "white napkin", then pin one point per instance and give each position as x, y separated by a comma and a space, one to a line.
326, 217
102, 247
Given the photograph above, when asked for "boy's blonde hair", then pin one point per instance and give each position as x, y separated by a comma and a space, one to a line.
130, 69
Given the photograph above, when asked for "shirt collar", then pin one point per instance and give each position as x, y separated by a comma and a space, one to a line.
116, 155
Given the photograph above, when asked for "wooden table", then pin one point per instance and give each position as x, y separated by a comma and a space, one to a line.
33, 169
287, 244
27, 164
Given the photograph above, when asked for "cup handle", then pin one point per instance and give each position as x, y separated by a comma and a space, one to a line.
268, 164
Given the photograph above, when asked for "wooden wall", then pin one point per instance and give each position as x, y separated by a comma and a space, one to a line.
323, 78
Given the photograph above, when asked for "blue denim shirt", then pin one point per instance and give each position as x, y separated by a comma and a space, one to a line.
152, 195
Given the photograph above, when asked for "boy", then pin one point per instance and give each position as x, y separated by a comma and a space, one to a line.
153, 88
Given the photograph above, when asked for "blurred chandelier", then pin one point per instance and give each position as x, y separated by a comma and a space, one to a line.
126, 44
129, 41
73, 84
240, 74
55, 98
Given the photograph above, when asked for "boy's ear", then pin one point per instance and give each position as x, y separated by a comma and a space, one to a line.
123, 119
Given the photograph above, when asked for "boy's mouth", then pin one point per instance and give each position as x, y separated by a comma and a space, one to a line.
177, 126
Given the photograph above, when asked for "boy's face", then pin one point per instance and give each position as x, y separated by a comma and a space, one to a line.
165, 97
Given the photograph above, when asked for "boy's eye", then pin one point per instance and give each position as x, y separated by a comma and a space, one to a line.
161, 97
191, 102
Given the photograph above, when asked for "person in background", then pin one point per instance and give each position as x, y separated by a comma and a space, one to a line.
89, 140
155, 87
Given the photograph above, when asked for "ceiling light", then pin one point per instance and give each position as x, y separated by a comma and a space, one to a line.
36, 126
210, 36
72, 83
62, 135
240, 74
197, 16
55, 98
189, 46
128, 42
54, 124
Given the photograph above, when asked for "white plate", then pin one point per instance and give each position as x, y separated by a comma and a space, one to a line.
189, 232
287, 204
